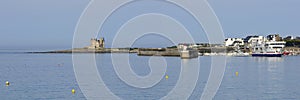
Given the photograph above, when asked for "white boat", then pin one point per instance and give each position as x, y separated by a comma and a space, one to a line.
269, 49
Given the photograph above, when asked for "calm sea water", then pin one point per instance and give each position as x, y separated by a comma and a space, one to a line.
51, 76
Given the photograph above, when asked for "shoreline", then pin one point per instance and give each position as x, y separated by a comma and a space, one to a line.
169, 52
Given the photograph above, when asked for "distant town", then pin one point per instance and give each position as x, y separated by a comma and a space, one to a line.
290, 40
289, 44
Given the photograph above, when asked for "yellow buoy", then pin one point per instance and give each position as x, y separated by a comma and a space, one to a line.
7, 83
73, 91
236, 73
167, 77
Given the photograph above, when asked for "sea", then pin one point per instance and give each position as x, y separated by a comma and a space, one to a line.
37, 76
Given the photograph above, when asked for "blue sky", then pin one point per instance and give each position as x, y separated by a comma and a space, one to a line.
50, 24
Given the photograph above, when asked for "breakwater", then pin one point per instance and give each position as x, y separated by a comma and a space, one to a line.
102, 50
142, 51
158, 52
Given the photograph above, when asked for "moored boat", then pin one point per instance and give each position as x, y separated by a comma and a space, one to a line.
269, 49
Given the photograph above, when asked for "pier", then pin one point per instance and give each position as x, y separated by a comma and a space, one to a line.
158, 52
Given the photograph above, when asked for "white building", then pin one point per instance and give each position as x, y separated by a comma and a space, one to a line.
251, 41
234, 42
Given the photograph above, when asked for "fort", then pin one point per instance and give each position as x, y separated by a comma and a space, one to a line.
97, 44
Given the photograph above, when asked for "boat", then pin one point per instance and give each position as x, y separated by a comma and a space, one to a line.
286, 53
269, 49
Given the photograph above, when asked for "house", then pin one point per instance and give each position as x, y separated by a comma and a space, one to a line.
251, 41
274, 37
234, 42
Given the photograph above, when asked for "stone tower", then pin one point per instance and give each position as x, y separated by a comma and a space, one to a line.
101, 41
95, 43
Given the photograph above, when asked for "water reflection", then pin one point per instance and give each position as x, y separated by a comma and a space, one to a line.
271, 74
268, 59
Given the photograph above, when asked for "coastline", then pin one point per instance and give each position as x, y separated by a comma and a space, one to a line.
170, 52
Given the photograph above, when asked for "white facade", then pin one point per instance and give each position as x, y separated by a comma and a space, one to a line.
255, 40
234, 41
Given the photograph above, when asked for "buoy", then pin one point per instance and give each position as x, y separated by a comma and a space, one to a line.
167, 77
236, 73
7, 83
73, 91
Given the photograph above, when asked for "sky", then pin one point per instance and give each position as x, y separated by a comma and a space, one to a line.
50, 24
